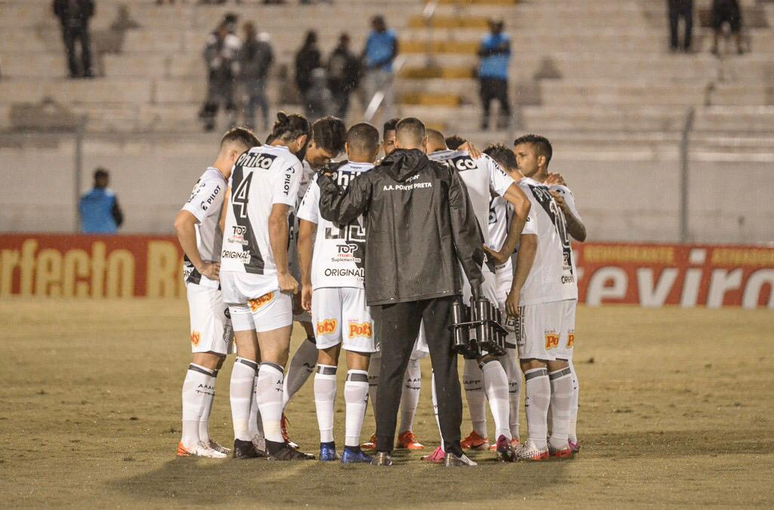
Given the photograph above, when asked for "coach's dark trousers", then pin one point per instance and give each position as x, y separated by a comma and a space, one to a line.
397, 327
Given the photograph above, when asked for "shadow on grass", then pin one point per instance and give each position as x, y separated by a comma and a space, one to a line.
192, 481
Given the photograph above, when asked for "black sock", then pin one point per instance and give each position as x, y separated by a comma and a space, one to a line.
274, 446
354, 449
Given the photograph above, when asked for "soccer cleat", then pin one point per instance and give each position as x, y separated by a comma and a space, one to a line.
409, 441
453, 460
574, 445
474, 442
245, 450
198, 450
505, 451
514, 444
214, 445
370, 444
287, 452
437, 457
381, 459
259, 443
559, 453
328, 452
351, 456
284, 424
528, 451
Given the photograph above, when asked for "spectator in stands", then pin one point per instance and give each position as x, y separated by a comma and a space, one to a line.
221, 54
99, 209
379, 54
74, 16
257, 57
727, 12
308, 59
343, 75
495, 54
680, 9
319, 100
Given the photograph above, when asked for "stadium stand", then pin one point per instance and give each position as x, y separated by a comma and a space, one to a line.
595, 76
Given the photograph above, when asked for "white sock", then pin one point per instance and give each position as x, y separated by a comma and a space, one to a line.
241, 395
195, 394
496, 389
373, 379
435, 410
268, 394
204, 419
511, 365
409, 398
561, 401
473, 380
255, 425
356, 398
300, 368
536, 404
325, 400
573, 434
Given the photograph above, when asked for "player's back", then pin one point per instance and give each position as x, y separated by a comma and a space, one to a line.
205, 204
552, 277
262, 177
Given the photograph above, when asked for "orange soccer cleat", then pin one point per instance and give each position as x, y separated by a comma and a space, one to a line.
474, 442
370, 444
409, 441
528, 451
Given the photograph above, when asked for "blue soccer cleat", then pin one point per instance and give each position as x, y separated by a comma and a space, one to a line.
352, 456
328, 452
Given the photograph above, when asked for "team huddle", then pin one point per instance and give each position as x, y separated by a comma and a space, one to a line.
276, 232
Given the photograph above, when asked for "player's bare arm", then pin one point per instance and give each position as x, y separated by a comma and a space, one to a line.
524, 261
185, 227
521, 207
224, 209
278, 238
306, 233
575, 227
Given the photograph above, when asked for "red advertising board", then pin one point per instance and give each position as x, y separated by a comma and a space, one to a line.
609, 273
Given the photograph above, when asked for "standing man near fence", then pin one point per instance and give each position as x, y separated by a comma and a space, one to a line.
99, 209
420, 223
379, 54
495, 54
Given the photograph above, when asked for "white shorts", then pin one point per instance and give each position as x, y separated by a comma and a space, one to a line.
547, 330
267, 313
210, 320
341, 316
421, 350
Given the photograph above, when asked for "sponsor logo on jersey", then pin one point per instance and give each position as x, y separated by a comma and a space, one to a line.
326, 327
570, 340
361, 329
196, 337
257, 304
244, 256
552, 340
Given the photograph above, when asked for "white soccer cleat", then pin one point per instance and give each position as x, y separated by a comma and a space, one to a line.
198, 450
259, 443
528, 451
214, 445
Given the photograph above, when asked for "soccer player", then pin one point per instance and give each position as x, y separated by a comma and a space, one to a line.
543, 295
332, 281
484, 377
535, 154
198, 230
500, 213
257, 284
328, 134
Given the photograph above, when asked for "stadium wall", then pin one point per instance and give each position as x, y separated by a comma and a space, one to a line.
649, 275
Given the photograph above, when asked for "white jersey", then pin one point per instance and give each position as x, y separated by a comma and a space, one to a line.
262, 177
500, 212
339, 252
569, 198
307, 176
553, 275
480, 175
205, 204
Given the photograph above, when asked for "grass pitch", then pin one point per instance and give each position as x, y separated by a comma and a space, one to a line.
676, 410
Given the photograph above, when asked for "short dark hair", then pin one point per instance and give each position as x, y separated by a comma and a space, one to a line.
329, 133
390, 125
240, 135
540, 143
411, 129
100, 172
454, 142
502, 155
288, 127
363, 138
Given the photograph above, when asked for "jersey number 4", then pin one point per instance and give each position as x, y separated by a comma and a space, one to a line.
240, 197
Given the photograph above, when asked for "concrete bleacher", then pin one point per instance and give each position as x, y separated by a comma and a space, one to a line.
595, 76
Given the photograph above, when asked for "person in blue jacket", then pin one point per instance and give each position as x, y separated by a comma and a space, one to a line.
495, 53
99, 209
378, 56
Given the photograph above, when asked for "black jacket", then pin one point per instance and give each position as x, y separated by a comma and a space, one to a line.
419, 223
75, 18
